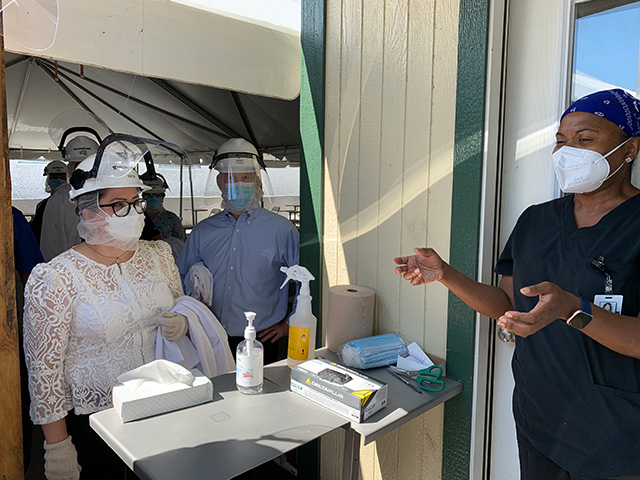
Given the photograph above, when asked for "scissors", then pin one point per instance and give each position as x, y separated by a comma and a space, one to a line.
430, 375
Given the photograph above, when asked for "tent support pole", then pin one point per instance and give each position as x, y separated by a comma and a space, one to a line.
106, 104
195, 107
11, 449
245, 119
138, 101
23, 90
66, 89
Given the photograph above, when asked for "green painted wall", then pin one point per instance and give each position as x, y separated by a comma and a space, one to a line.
465, 229
311, 165
312, 139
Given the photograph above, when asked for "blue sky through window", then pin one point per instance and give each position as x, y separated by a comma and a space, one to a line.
607, 44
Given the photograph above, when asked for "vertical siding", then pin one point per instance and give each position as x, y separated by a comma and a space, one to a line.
389, 132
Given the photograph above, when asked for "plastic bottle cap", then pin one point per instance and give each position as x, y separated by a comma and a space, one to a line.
250, 330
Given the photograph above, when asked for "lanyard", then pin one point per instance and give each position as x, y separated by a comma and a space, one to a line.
602, 269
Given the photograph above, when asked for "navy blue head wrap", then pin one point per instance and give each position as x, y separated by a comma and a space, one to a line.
615, 105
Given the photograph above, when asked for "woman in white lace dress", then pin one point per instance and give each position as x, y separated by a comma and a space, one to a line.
91, 314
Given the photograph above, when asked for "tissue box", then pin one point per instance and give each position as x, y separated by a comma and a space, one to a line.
340, 389
136, 405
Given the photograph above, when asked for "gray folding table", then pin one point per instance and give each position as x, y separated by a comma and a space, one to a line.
219, 439
403, 405
236, 432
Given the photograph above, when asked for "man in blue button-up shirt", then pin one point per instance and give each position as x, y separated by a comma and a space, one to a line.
244, 247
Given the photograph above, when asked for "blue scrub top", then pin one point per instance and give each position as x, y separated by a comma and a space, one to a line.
244, 256
577, 401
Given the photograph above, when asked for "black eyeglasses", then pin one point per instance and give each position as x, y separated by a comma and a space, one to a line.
122, 208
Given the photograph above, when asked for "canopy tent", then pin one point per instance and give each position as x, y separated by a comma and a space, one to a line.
196, 117
251, 46
243, 71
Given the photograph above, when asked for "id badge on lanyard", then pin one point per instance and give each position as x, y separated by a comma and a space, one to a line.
607, 301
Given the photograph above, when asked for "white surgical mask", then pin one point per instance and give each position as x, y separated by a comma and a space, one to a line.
119, 232
579, 170
126, 230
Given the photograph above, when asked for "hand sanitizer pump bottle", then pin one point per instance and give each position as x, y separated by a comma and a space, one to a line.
302, 324
249, 360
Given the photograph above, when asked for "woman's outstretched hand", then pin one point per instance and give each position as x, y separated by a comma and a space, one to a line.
553, 303
424, 267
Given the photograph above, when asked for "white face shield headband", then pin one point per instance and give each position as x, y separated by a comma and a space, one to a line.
579, 170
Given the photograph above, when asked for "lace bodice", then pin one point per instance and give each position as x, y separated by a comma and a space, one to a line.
86, 323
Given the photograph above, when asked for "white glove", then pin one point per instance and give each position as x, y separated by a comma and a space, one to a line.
174, 326
61, 461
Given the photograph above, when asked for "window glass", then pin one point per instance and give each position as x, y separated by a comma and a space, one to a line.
606, 46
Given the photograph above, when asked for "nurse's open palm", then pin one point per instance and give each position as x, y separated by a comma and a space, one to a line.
424, 267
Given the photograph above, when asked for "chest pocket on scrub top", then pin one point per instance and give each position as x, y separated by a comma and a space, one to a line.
614, 372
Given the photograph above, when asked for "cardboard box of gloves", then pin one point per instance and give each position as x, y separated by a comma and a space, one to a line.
340, 389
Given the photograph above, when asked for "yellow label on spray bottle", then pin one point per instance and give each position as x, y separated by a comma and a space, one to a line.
298, 343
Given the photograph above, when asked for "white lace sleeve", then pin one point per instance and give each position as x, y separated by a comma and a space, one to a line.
47, 321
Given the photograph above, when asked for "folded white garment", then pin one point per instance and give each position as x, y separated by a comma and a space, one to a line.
198, 283
206, 347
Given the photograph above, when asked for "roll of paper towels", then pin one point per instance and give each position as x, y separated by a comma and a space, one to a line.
350, 314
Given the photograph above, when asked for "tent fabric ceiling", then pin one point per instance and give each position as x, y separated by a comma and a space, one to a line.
202, 42
197, 118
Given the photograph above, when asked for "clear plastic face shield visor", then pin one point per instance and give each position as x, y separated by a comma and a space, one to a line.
118, 160
30, 24
55, 174
240, 181
73, 123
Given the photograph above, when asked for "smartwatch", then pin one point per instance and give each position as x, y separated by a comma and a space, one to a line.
582, 317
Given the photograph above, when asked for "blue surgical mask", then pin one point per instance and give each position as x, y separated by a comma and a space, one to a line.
153, 203
373, 352
240, 193
55, 183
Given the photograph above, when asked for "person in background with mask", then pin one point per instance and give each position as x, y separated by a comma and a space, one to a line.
167, 223
56, 173
59, 219
243, 247
91, 314
576, 366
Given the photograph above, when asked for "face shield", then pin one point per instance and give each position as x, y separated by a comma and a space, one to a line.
31, 24
52, 182
116, 163
55, 174
73, 123
241, 182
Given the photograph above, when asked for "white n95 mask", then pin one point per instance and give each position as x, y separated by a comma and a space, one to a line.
579, 170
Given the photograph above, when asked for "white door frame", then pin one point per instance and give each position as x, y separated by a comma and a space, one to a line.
489, 251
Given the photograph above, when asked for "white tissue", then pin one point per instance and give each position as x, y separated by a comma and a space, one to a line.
159, 387
157, 376
413, 359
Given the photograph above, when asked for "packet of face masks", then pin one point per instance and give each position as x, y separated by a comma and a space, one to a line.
371, 352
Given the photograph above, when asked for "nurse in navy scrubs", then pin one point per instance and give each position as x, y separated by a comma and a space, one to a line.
576, 364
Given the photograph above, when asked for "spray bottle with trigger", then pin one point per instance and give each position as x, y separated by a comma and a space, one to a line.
302, 324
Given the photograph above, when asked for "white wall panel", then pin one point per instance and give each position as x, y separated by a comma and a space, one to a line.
389, 133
